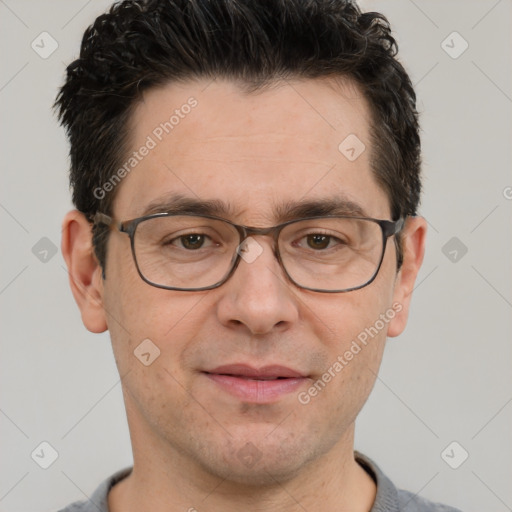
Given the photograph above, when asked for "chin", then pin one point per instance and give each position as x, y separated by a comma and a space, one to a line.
260, 462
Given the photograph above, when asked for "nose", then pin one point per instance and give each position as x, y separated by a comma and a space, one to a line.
258, 297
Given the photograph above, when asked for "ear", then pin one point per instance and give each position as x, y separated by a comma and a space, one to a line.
84, 270
413, 243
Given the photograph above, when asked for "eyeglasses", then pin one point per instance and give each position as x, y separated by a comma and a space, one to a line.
199, 252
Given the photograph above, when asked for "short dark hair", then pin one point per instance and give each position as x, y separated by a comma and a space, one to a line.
140, 44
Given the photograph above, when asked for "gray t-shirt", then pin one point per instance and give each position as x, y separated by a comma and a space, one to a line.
388, 498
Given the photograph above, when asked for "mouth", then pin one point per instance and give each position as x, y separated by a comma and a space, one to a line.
264, 385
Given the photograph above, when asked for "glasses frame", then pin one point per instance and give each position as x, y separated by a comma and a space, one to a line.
129, 227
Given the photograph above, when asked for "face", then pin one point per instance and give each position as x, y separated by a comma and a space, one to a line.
255, 153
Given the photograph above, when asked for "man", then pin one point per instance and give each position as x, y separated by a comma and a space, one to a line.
246, 178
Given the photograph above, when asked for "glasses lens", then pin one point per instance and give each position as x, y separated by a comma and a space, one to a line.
184, 251
331, 253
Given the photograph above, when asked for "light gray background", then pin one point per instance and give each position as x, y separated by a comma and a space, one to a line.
447, 378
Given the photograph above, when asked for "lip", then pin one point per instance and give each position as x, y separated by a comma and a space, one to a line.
264, 385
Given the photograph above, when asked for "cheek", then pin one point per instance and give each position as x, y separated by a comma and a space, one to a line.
354, 347
338, 320
138, 312
141, 323
352, 328
151, 335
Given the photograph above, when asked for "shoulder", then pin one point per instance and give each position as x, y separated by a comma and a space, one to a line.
391, 499
83, 506
80, 506
409, 502
98, 502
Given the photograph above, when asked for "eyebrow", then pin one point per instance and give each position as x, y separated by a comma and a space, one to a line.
284, 212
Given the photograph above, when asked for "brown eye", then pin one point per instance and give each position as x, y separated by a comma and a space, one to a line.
318, 241
192, 241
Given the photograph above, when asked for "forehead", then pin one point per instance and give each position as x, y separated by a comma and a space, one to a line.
210, 140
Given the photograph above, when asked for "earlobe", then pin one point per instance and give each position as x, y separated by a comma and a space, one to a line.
84, 270
413, 243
